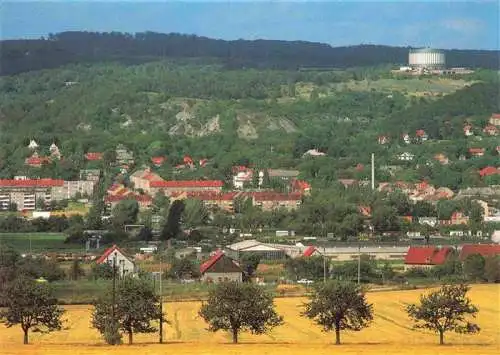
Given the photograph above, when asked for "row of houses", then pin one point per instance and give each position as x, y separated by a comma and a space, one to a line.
222, 265
430, 256
146, 183
491, 129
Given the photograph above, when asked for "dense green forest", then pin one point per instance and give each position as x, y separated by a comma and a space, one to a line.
63, 48
264, 117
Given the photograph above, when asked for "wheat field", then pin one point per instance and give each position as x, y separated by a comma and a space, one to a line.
390, 333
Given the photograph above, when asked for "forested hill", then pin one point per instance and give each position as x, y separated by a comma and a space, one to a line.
19, 56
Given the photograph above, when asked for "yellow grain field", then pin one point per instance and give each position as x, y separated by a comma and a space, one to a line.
390, 333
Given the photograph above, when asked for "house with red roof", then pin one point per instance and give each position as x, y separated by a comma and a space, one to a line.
36, 161
421, 135
115, 256
485, 250
426, 257
93, 156
489, 171
158, 161
495, 119
142, 178
457, 218
221, 268
476, 152
490, 130
301, 186
311, 251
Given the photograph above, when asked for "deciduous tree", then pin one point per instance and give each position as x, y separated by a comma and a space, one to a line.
445, 310
237, 307
135, 309
31, 305
339, 306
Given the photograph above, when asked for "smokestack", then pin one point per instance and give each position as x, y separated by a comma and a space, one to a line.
373, 171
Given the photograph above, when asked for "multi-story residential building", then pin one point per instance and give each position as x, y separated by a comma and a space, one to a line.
26, 192
273, 200
211, 199
169, 187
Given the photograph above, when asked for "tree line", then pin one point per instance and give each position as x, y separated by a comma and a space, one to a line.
79, 46
133, 307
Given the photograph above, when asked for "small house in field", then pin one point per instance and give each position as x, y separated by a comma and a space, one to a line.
115, 256
220, 268
426, 257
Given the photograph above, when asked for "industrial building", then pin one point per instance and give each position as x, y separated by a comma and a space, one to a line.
426, 58
280, 251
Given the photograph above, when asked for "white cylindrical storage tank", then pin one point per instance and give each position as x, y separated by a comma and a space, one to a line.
427, 58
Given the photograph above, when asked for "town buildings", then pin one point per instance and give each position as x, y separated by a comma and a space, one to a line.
25, 192
221, 268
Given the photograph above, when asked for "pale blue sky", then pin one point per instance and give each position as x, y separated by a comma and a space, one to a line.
451, 24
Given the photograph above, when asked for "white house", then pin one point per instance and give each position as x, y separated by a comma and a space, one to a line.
114, 256
406, 156
406, 138
33, 144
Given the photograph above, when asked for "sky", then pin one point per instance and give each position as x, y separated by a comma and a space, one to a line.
471, 24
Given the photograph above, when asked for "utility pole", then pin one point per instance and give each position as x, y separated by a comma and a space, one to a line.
373, 171
161, 296
359, 262
324, 265
114, 288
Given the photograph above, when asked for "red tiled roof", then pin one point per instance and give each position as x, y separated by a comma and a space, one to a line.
37, 160
309, 251
93, 156
31, 183
210, 262
495, 115
186, 183
158, 160
108, 252
488, 171
203, 162
476, 150
420, 133
365, 210
300, 185
426, 255
482, 249
187, 160
440, 256
240, 168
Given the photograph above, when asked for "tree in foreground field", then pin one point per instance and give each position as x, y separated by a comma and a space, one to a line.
31, 305
339, 306
445, 310
238, 307
136, 307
